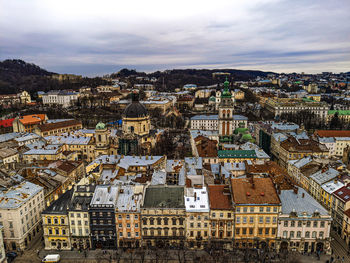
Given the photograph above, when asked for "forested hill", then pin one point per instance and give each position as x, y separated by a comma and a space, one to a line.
17, 75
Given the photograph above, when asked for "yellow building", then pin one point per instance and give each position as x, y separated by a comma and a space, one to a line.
56, 224
46, 153
257, 206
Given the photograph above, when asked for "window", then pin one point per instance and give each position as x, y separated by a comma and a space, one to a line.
238, 231
120, 234
10, 224
307, 234
127, 216
191, 225
273, 231
275, 209
291, 234
315, 224
299, 223
314, 234
252, 209
251, 219
213, 214
136, 225
72, 222
261, 209
244, 220
136, 234
57, 232
260, 231
299, 234
245, 209
63, 231
285, 223
55, 220
49, 220
308, 224
267, 220
174, 221
229, 215
238, 209
238, 220
221, 215
128, 225
267, 231
322, 224
285, 233
292, 223
268, 209
274, 220
199, 225
244, 231
321, 234
251, 231
261, 220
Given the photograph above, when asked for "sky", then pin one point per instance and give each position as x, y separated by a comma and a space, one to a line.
95, 37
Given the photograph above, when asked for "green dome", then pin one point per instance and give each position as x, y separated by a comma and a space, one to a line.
247, 137
241, 130
212, 98
100, 126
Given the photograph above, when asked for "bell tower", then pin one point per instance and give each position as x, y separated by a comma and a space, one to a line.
226, 109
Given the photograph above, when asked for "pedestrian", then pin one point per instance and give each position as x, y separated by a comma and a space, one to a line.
343, 259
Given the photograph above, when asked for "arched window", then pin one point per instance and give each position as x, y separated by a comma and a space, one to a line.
314, 234
144, 128
307, 234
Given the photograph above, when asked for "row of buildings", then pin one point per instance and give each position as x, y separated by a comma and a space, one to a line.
246, 213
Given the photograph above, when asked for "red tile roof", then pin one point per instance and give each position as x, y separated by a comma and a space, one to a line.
347, 213
341, 193
6, 123
219, 199
261, 191
333, 133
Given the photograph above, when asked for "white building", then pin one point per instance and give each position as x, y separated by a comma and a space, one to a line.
20, 209
63, 98
197, 214
304, 225
211, 122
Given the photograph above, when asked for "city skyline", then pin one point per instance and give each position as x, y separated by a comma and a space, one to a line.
93, 38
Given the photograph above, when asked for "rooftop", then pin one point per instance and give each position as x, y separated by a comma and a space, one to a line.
60, 206
196, 200
219, 197
105, 195
254, 191
300, 202
164, 197
333, 133
57, 125
18, 195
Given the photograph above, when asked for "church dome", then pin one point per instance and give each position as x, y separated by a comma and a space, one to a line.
135, 109
100, 126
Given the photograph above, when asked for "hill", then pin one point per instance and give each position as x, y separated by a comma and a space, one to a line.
17, 75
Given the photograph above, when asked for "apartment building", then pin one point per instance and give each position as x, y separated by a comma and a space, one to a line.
20, 208
27, 123
197, 217
62, 98
221, 226
163, 217
56, 128
257, 206
304, 225
128, 216
56, 224
78, 214
102, 217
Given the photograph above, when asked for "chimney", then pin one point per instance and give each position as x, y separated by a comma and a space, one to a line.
303, 195
295, 190
195, 196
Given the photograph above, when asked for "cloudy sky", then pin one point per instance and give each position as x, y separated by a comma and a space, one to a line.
92, 37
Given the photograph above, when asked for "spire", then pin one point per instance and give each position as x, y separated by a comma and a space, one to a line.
226, 93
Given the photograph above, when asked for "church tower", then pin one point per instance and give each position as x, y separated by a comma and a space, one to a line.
226, 109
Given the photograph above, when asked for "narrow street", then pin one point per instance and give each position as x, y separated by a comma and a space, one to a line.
339, 247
